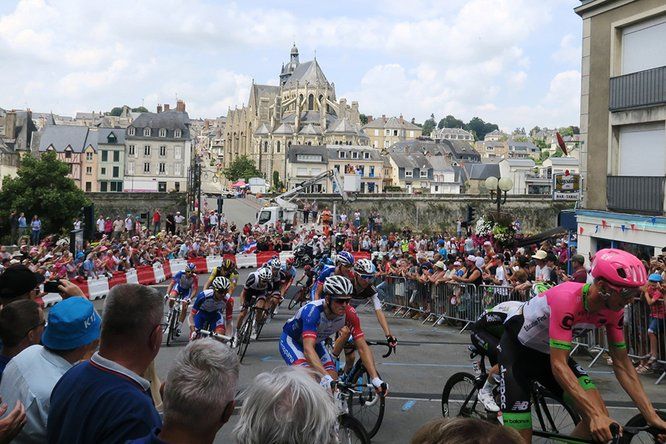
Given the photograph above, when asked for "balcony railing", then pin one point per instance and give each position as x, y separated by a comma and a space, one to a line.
636, 194
638, 89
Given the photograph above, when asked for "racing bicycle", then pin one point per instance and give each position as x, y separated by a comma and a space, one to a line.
350, 430
172, 319
300, 298
207, 333
245, 329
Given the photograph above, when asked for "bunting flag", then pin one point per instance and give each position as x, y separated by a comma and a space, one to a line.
596, 228
623, 227
580, 230
633, 227
604, 224
653, 220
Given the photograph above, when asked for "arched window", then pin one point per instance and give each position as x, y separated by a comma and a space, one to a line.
266, 147
289, 144
311, 102
321, 101
277, 147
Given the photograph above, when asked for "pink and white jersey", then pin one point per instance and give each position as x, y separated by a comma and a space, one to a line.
558, 315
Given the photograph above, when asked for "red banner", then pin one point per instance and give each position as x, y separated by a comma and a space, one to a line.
145, 274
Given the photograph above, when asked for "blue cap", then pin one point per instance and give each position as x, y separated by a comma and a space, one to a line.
72, 323
655, 277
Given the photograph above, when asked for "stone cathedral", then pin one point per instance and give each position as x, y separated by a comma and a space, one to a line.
302, 110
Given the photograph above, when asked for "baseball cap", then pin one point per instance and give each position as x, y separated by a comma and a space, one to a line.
487, 244
17, 280
71, 324
540, 254
471, 258
440, 265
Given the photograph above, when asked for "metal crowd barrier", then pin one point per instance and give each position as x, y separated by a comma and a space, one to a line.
462, 304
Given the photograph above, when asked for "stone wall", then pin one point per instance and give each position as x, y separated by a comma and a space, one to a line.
429, 213
121, 204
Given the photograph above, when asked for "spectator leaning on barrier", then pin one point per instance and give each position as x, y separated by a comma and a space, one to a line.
286, 406
654, 296
71, 335
198, 394
21, 325
105, 399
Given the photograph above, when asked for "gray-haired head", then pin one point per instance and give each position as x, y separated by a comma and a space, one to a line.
200, 385
131, 311
286, 406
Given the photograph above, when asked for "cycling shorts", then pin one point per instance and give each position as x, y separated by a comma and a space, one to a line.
213, 320
183, 293
520, 367
292, 353
486, 344
252, 296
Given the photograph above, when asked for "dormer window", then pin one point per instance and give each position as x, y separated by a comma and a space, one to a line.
146, 132
366, 155
131, 131
111, 138
162, 132
177, 134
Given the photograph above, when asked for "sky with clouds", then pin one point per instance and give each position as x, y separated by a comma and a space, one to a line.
511, 62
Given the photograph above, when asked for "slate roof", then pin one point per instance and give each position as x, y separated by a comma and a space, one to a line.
285, 128
375, 154
103, 135
310, 130
481, 171
263, 129
62, 136
411, 161
390, 123
309, 72
295, 150
342, 126
169, 120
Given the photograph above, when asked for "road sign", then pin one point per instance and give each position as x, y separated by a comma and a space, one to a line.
566, 186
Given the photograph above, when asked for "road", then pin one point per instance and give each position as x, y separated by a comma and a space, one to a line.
240, 211
425, 359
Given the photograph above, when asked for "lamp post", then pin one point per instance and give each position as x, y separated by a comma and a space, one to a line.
498, 189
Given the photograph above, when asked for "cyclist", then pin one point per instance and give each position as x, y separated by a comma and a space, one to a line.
303, 336
275, 295
485, 334
309, 276
183, 285
287, 274
257, 287
537, 341
363, 275
212, 307
228, 270
344, 263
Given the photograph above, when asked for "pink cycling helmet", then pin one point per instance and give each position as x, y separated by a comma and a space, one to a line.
619, 268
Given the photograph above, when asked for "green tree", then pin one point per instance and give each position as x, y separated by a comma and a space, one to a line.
42, 187
429, 125
535, 130
277, 183
242, 167
480, 128
566, 131
364, 119
450, 122
141, 109
116, 111
558, 152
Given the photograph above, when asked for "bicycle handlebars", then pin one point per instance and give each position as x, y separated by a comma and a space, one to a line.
391, 348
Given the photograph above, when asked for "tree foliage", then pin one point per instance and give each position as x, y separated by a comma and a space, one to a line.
364, 119
118, 110
450, 122
480, 128
429, 125
277, 183
241, 167
43, 188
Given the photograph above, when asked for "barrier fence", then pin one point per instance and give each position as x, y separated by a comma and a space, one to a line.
462, 304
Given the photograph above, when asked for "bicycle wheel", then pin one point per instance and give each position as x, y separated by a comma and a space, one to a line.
244, 333
351, 430
171, 327
552, 414
260, 325
294, 300
642, 437
459, 397
366, 405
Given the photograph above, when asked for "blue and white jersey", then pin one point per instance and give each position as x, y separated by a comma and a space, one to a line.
183, 283
205, 301
311, 321
328, 270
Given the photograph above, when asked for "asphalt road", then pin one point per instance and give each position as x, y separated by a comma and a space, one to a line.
425, 359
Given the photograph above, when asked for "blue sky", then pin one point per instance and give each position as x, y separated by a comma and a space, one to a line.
511, 62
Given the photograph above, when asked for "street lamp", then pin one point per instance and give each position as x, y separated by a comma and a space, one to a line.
498, 189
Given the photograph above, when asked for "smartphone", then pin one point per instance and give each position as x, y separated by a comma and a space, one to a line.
51, 286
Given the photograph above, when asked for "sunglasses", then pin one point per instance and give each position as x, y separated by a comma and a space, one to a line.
627, 294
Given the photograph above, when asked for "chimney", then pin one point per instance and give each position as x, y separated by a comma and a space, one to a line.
401, 119
166, 107
384, 117
370, 119
180, 106
159, 109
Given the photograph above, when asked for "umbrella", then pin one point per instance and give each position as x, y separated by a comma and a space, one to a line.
238, 184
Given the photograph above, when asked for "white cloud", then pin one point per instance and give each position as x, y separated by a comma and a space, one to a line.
569, 51
456, 57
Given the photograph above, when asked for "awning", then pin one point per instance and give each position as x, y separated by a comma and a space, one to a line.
538, 238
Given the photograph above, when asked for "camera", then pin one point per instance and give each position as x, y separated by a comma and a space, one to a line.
52, 286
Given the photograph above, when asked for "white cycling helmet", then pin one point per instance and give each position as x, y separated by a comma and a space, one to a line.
364, 266
221, 283
265, 274
338, 287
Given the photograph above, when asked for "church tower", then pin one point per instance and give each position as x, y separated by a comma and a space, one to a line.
289, 68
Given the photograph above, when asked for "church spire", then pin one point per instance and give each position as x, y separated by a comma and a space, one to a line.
294, 54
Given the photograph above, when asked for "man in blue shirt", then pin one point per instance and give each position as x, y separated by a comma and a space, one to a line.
105, 400
71, 335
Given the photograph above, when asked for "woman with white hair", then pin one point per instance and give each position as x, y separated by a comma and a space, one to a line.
286, 406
